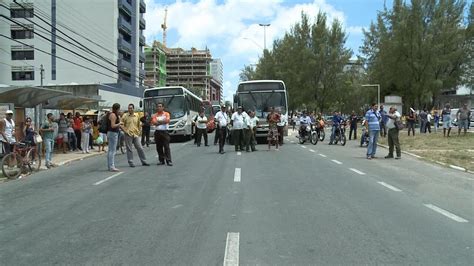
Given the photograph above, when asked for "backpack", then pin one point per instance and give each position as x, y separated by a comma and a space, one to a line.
103, 124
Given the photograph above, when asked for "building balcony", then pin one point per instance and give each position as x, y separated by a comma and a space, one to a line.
124, 66
123, 45
141, 57
142, 6
142, 40
125, 6
124, 23
142, 23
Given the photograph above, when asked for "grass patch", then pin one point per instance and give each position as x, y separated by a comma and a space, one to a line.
455, 150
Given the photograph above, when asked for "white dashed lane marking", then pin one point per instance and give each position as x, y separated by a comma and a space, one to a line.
390, 187
237, 174
336, 161
322, 155
311, 150
107, 179
446, 213
239, 153
231, 254
357, 171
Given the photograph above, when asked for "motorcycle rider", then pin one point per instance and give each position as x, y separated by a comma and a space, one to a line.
305, 121
336, 121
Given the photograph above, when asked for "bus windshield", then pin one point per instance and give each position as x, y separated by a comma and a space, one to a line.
173, 104
262, 101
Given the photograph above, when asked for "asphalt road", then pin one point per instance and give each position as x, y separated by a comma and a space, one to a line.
303, 204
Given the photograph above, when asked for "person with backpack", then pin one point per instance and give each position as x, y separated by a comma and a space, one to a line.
103, 130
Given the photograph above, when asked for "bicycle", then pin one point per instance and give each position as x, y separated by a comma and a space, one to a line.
23, 159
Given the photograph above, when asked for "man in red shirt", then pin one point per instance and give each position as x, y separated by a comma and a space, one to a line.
161, 120
77, 129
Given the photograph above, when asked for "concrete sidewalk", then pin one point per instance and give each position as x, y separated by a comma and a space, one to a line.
60, 159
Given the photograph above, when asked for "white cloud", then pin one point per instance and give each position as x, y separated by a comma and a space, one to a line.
356, 30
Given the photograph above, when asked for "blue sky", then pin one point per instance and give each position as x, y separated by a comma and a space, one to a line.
230, 28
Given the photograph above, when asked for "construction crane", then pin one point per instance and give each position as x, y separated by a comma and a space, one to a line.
164, 27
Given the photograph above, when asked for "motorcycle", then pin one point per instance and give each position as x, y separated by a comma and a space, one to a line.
340, 134
320, 130
364, 139
308, 133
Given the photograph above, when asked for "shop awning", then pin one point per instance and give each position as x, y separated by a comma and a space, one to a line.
28, 96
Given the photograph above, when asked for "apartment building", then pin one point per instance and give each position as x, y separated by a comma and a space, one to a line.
155, 65
66, 44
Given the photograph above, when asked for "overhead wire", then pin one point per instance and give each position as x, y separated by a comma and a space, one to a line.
137, 79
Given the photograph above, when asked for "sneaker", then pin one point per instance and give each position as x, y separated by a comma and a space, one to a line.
388, 157
398, 157
145, 164
114, 170
161, 163
369, 158
132, 165
169, 163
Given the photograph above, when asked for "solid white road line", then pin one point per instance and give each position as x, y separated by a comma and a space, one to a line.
311, 150
237, 175
322, 155
389, 186
357, 171
457, 168
107, 179
304, 147
231, 255
336, 161
239, 153
446, 213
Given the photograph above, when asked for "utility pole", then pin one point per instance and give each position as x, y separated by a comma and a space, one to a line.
264, 34
42, 74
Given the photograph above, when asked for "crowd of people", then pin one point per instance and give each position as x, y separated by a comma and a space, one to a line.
239, 127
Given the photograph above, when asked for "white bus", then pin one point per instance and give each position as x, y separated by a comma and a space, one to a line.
181, 103
259, 96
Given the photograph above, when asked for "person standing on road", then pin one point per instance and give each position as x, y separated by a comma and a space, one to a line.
77, 129
281, 125
221, 119
131, 129
238, 123
446, 114
145, 119
47, 130
63, 136
251, 137
336, 121
423, 120
436, 121
393, 140
161, 120
7, 132
113, 128
70, 133
383, 122
273, 118
411, 120
464, 117
372, 123
201, 128
429, 118
353, 121
86, 132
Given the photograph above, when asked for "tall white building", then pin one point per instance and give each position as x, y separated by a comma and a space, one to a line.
78, 42
217, 75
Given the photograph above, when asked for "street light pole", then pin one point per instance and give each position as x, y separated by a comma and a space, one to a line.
264, 34
378, 91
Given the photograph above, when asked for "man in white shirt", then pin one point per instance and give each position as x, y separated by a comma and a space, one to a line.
7, 132
221, 120
201, 128
393, 116
252, 123
238, 122
281, 125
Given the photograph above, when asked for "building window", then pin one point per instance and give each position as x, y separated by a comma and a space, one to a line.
23, 55
21, 13
23, 75
22, 34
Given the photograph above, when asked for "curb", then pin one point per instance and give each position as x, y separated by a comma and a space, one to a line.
73, 160
455, 167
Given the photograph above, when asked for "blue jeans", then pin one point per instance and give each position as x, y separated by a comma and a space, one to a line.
112, 138
372, 148
49, 146
333, 134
